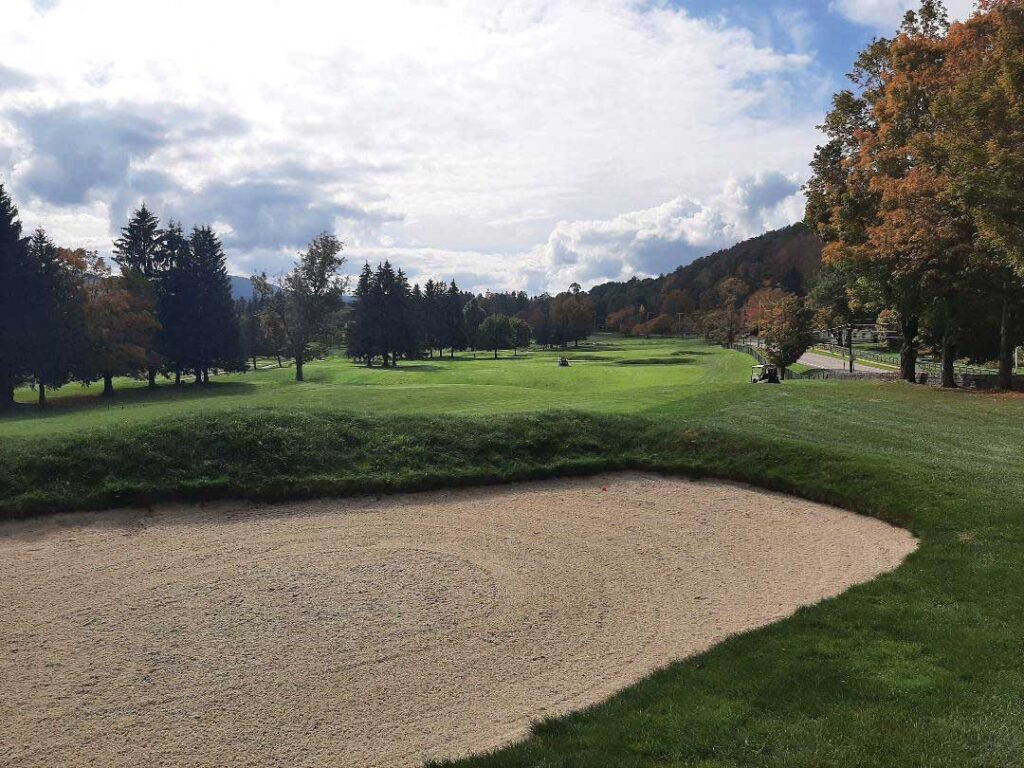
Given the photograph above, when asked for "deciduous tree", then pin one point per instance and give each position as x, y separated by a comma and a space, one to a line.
120, 324
495, 332
787, 331
303, 301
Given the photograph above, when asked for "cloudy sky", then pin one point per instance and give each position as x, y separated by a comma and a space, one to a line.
506, 143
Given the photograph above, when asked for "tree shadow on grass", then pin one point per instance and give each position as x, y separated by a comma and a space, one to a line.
658, 361
92, 399
407, 367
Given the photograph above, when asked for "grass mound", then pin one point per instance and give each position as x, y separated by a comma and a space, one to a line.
278, 454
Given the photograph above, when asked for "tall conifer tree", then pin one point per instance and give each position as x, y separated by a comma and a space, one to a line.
14, 297
54, 321
140, 249
210, 307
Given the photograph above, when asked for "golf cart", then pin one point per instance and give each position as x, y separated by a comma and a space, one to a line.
764, 374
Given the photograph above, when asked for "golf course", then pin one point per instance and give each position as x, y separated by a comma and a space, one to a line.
920, 666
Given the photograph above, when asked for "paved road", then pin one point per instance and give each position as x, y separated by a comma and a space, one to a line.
836, 364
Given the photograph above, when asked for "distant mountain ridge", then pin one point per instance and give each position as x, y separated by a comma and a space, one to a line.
787, 258
241, 287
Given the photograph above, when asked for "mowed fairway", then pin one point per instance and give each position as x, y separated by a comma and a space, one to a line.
612, 375
919, 667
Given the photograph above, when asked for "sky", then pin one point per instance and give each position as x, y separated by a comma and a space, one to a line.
507, 144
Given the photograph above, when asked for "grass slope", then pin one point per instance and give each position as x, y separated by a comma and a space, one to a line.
921, 667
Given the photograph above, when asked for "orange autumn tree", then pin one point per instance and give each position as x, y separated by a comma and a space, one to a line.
120, 323
760, 301
786, 327
844, 204
923, 228
982, 135
882, 194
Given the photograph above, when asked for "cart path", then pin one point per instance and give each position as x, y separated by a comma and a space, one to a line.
827, 363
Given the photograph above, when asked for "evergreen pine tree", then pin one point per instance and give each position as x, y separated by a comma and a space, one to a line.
454, 328
212, 307
403, 312
140, 245
416, 319
14, 297
178, 329
386, 323
52, 322
431, 315
140, 249
359, 335
474, 315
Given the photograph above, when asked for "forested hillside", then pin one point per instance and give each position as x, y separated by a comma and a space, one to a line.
785, 260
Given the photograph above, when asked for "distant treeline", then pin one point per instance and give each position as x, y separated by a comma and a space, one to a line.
709, 296
65, 316
390, 321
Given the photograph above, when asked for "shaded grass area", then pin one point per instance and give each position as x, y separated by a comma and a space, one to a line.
922, 667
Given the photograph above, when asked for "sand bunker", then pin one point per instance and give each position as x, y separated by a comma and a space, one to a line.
384, 632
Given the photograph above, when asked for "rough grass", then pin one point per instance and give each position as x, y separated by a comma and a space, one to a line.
920, 668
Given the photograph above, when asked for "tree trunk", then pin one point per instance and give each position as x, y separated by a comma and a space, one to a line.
279, 365
206, 375
151, 376
451, 353
254, 363
908, 349
6, 388
108, 385
299, 376
177, 377
1004, 380
948, 359
495, 354
199, 377
42, 393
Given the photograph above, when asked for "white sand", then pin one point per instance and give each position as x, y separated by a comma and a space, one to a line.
383, 632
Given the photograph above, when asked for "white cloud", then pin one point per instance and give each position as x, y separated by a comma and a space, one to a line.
645, 242
657, 240
886, 15
465, 127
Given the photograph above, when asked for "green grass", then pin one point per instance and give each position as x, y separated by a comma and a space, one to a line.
922, 667
608, 376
